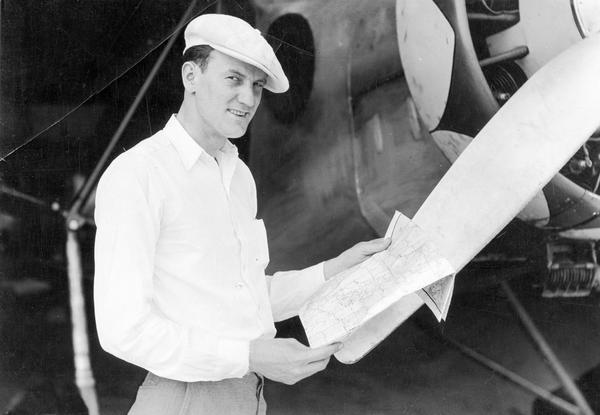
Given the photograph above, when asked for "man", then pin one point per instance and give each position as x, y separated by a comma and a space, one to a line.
180, 288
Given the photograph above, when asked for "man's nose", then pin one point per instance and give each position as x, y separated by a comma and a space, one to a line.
246, 95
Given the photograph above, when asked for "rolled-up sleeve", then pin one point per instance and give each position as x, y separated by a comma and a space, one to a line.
128, 219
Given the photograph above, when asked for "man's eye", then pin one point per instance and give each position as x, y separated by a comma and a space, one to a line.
234, 78
259, 85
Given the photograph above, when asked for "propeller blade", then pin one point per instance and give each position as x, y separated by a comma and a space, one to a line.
518, 151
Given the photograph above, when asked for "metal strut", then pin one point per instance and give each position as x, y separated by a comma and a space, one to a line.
73, 219
580, 406
547, 351
519, 380
84, 377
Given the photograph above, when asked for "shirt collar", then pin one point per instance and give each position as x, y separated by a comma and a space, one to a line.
189, 151
227, 158
228, 151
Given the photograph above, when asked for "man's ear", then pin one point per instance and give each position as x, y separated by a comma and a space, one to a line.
189, 76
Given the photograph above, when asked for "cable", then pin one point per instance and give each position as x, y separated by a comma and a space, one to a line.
597, 183
95, 93
497, 12
116, 78
72, 218
283, 42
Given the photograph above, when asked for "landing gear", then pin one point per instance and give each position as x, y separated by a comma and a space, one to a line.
579, 406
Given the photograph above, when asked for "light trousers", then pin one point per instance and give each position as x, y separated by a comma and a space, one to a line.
237, 396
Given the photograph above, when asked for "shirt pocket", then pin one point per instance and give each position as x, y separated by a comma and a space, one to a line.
258, 244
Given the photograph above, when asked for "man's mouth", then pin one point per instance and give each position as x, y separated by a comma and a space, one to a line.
238, 113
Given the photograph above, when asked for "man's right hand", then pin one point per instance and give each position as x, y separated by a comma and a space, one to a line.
288, 361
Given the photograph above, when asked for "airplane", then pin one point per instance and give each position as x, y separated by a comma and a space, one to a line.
382, 150
352, 141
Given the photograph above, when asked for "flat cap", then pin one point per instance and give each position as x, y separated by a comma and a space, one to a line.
236, 38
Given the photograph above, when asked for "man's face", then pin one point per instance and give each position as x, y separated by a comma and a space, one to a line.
227, 95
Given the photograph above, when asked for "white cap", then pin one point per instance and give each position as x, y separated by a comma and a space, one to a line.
236, 38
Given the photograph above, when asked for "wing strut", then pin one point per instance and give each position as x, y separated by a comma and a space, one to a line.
580, 405
546, 350
84, 377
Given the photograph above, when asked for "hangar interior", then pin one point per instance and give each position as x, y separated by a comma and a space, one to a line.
332, 158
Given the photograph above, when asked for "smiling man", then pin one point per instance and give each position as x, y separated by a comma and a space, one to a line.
180, 288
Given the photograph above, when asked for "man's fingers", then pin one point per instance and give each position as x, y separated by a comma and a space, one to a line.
314, 367
323, 352
308, 369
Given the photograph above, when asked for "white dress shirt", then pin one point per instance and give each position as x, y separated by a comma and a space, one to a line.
179, 284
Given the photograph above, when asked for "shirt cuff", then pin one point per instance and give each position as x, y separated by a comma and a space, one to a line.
238, 353
215, 358
315, 275
289, 290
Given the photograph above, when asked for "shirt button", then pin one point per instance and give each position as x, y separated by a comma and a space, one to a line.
239, 285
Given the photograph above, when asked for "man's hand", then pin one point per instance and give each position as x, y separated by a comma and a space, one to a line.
355, 255
288, 361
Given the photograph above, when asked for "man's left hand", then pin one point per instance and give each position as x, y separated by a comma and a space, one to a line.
355, 255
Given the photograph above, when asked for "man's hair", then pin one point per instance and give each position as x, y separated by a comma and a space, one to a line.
198, 54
